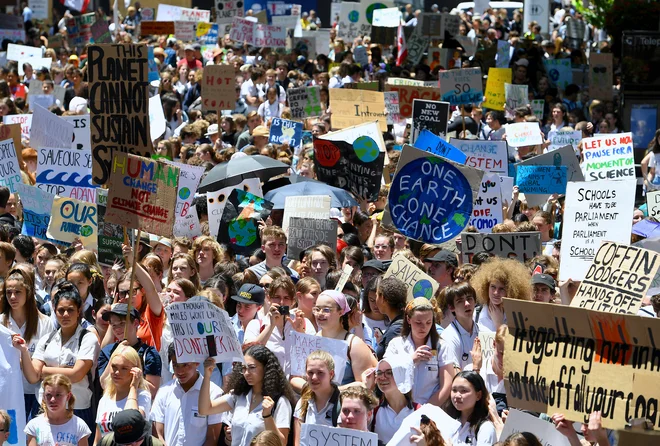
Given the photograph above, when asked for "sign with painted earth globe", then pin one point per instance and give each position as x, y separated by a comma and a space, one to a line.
423, 288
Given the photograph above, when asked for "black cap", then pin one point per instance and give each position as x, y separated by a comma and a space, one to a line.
121, 310
250, 294
444, 256
130, 426
375, 264
544, 279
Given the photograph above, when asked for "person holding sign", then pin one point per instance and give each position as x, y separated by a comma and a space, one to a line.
260, 398
469, 405
420, 340
319, 403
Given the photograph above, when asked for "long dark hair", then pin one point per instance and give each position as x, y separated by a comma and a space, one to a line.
66, 291
654, 145
274, 384
480, 412
31, 311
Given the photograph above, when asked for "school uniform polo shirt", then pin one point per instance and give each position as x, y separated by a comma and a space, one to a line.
426, 380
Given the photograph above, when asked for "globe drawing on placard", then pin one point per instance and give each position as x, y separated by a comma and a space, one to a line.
370, 10
423, 288
86, 231
184, 193
366, 149
353, 16
242, 232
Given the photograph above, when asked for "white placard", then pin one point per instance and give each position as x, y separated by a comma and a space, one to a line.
310, 206
157, 122
37, 63
10, 170
81, 135
489, 156
24, 120
67, 173
608, 157
559, 139
170, 13
523, 134
446, 424
20, 52
49, 130
300, 345
390, 17
317, 435
546, 432
487, 210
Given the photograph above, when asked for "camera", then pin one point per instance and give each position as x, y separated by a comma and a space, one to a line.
283, 310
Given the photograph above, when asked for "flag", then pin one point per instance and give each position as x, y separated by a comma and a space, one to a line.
402, 49
78, 5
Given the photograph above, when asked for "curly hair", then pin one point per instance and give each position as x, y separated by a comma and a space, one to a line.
511, 273
275, 384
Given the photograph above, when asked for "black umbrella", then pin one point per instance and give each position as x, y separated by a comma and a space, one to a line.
236, 170
283, 181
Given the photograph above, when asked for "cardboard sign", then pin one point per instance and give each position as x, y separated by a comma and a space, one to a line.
516, 96
189, 179
538, 106
488, 206
194, 325
218, 88
225, 11
352, 159
431, 116
316, 434
73, 219
119, 105
446, 425
305, 102
188, 226
142, 194
559, 139
110, 235
305, 206
603, 287
523, 134
10, 170
653, 203
600, 76
101, 32
37, 207
503, 58
541, 179
172, 13
608, 157
408, 93
351, 107
239, 226
417, 45
518, 421
489, 156
156, 28
301, 345
595, 211
507, 245
217, 200
613, 355
461, 86
431, 199
283, 131
25, 121
495, 93
48, 130
67, 173
307, 232
418, 283
436, 145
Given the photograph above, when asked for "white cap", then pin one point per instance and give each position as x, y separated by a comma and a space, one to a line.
403, 371
78, 105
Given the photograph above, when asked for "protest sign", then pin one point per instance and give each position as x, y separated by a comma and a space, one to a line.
360, 55
269, 36
157, 123
207, 33
600, 76
461, 86
352, 159
101, 32
450, 25
469, 44
283, 131
561, 138
66, 172
49, 130
508, 245
10, 170
559, 72
25, 121
503, 58
188, 226
79, 29
300, 345
239, 226
392, 106
538, 106
431, 199
408, 93
594, 211
489, 156
184, 31
516, 96
216, 200
346, 273
576, 361
495, 93
436, 145
417, 45
73, 219
608, 157
226, 10
306, 232
156, 28
506, 187
653, 203
37, 63
541, 179
523, 134
386, 17
189, 178
119, 106
351, 107
317, 434
348, 24
488, 347
37, 206
518, 421
305, 102
418, 283
172, 13
305, 206
20, 52
11, 388
42, 100
218, 88
618, 279
445, 424
430, 24
14, 35
195, 325
431, 116
110, 235
142, 194
487, 210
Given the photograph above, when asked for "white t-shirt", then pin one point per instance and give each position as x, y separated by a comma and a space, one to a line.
246, 424
485, 321
248, 88
67, 434
44, 329
108, 408
57, 355
465, 435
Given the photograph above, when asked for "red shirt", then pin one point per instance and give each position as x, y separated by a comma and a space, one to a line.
196, 65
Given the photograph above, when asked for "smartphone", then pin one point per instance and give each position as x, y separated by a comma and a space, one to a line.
210, 342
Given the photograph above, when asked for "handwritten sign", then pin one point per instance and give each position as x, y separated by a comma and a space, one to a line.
351, 107
25, 122
495, 93
503, 57
541, 179
489, 156
218, 91
227, 10
487, 207
258, 34
305, 102
67, 173
73, 219
305, 206
559, 72
194, 325
19, 52
538, 106
653, 203
392, 107
408, 93
172, 13
600, 76
10, 171
461, 86
283, 131
429, 115
239, 226
595, 211
110, 236
523, 134
608, 157
217, 200
184, 31
390, 17
515, 245
436, 145
516, 96
418, 283
37, 207
307, 232
559, 139
300, 345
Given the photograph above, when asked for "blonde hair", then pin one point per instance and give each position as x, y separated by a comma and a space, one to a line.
6, 419
85, 256
58, 380
131, 355
266, 438
307, 393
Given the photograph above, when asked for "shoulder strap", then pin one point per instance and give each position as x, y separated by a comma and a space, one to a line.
349, 338
477, 312
334, 399
50, 338
373, 419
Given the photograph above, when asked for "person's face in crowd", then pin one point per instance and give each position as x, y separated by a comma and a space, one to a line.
368, 274
180, 249
327, 312
253, 122
4, 110
123, 293
260, 142
185, 372
354, 414
364, 230
191, 77
274, 249
382, 250
463, 307
323, 97
611, 120
542, 293
543, 85
16, 294
272, 96
440, 272
420, 323
67, 313
320, 266
166, 83
50, 269
46, 88
270, 79
98, 317
253, 371
319, 377
118, 326
400, 241
4, 431
638, 216
542, 226
181, 270
80, 281
11, 205
204, 155
385, 378
56, 398
75, 78
496, 291
521, 73
280, 297
190, 55
226, 127
603, 126
175, 293
28, 71
164, 252
494, 124
281, 72
183, 73
306, 171
246, 312
11, 79
43, 256
306, 301
463, 394
161, 149
120, 372
316, 130
557, 114
205, 256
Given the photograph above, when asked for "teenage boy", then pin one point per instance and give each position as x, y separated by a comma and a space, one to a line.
544, 288
459, 336
441, 267
273, 243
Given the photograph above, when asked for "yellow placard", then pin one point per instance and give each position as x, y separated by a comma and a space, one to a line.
495, 93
